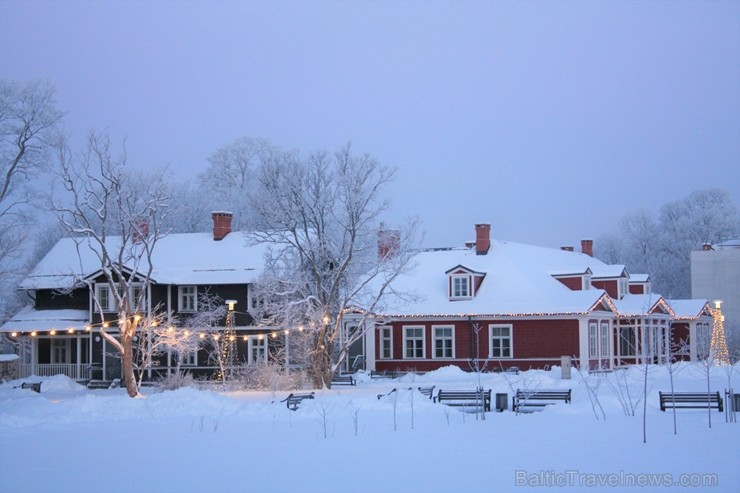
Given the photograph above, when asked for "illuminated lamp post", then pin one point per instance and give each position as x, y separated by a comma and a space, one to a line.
229, 343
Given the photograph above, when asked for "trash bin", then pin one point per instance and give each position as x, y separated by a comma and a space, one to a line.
502, 402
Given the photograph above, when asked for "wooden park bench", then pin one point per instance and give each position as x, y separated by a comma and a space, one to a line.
35, 386
293, 400
427, 391
691, 400
383, 374
343, 380
537, 398
471, 399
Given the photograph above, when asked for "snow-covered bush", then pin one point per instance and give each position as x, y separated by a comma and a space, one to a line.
174, 381
268, 376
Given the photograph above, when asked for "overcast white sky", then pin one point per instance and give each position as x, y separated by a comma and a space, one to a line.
549, 120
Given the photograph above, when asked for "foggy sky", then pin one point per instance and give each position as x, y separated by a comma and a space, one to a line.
549, 120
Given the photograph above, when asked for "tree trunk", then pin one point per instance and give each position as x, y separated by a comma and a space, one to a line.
127, 361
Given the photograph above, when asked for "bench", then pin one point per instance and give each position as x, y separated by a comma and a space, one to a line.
465, 398
691, 400
383, 374
427, 391
538, 398
343, 380
511, 369
35, 386
293, 400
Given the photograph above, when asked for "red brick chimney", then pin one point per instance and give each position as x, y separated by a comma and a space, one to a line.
482, 238
139, 230
389, 241
587, 247
221, 224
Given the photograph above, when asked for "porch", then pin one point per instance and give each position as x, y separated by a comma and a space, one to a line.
74, 371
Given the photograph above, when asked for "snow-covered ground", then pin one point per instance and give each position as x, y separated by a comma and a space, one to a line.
70, 439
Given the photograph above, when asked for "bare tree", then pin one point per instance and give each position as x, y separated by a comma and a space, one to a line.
322, 215
115, 215
28, 117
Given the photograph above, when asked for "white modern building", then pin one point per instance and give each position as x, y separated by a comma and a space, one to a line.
715, 275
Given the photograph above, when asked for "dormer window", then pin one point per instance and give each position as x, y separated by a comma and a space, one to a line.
460, 287
586, 282
623, 287
462, 283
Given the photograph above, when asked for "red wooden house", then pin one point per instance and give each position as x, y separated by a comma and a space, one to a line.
497, 304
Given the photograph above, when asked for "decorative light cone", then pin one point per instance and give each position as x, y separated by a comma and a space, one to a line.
718, 346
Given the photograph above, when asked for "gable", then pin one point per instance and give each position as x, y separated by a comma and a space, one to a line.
463, 283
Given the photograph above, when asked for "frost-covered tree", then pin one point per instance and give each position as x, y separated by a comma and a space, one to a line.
322, 214
705, 216
117, 215
28, 118
229, 177
661, 245
190, 208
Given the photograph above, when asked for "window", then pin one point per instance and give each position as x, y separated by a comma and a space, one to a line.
60, 350
460, 287
413, 342
257, 350
386, 343
443, 342
136, 295
500, 336
623, 287
104, 298
627, 341
187, 298
189, 358
593, 340
604, 344
586, 283
108, 302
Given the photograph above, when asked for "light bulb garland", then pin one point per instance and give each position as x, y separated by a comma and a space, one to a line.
718, 345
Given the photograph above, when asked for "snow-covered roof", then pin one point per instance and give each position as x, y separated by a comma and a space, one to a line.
688, 309
606, 271
639, 278
637, 305
30, 319
187, 258
518, 281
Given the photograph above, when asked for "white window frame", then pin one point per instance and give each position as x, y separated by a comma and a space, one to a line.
593, 340
257, 343
182, 293
628, 344
586, 283
60, 346
436, 338
510, 338
604, 340
386, 342
189, 358
623, 287
109, 305
466, 282
407, 339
